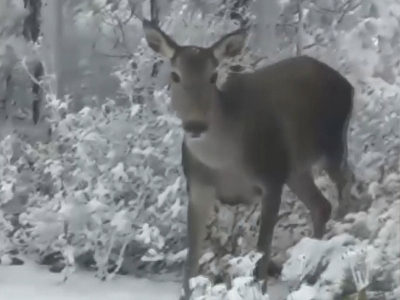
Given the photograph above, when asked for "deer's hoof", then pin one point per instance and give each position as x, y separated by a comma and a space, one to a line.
274, 270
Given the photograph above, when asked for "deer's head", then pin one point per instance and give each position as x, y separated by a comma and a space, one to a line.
193, 77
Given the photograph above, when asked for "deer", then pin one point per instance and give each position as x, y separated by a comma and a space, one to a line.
259, 131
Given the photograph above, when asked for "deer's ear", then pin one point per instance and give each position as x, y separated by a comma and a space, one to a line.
159, 41
230, 45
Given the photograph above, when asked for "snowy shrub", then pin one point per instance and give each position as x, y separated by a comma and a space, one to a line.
243, 285
92, 184
109, 177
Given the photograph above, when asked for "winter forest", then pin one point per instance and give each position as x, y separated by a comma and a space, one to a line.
93, 199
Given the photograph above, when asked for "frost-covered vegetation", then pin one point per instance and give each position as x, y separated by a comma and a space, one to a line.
104, 188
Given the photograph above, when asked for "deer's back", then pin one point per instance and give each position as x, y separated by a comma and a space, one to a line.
291, 110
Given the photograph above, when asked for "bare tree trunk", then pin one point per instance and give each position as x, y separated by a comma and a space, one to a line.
155, 18
299, 33
6, 80
154, 11
31, 32
37, 73
58, 47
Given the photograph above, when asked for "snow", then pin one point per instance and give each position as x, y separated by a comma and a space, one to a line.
33, 282
365, 254
30, 281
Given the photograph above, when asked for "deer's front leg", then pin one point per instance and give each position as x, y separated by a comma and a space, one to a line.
269, 215
201, 199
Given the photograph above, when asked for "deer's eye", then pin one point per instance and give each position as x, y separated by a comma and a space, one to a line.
213, 78
175, 77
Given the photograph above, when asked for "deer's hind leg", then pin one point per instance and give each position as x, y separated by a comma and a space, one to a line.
341, 174
337, 166
269, 215
303, 185
334, 146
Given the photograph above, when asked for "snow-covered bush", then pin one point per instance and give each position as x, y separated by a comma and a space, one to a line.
103, 182
243, 285
109, 178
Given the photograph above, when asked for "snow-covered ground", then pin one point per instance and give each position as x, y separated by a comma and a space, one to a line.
33, 282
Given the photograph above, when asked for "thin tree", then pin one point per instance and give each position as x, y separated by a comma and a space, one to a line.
155, 18
31, 32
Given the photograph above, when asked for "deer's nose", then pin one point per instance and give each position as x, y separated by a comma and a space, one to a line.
195, 128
